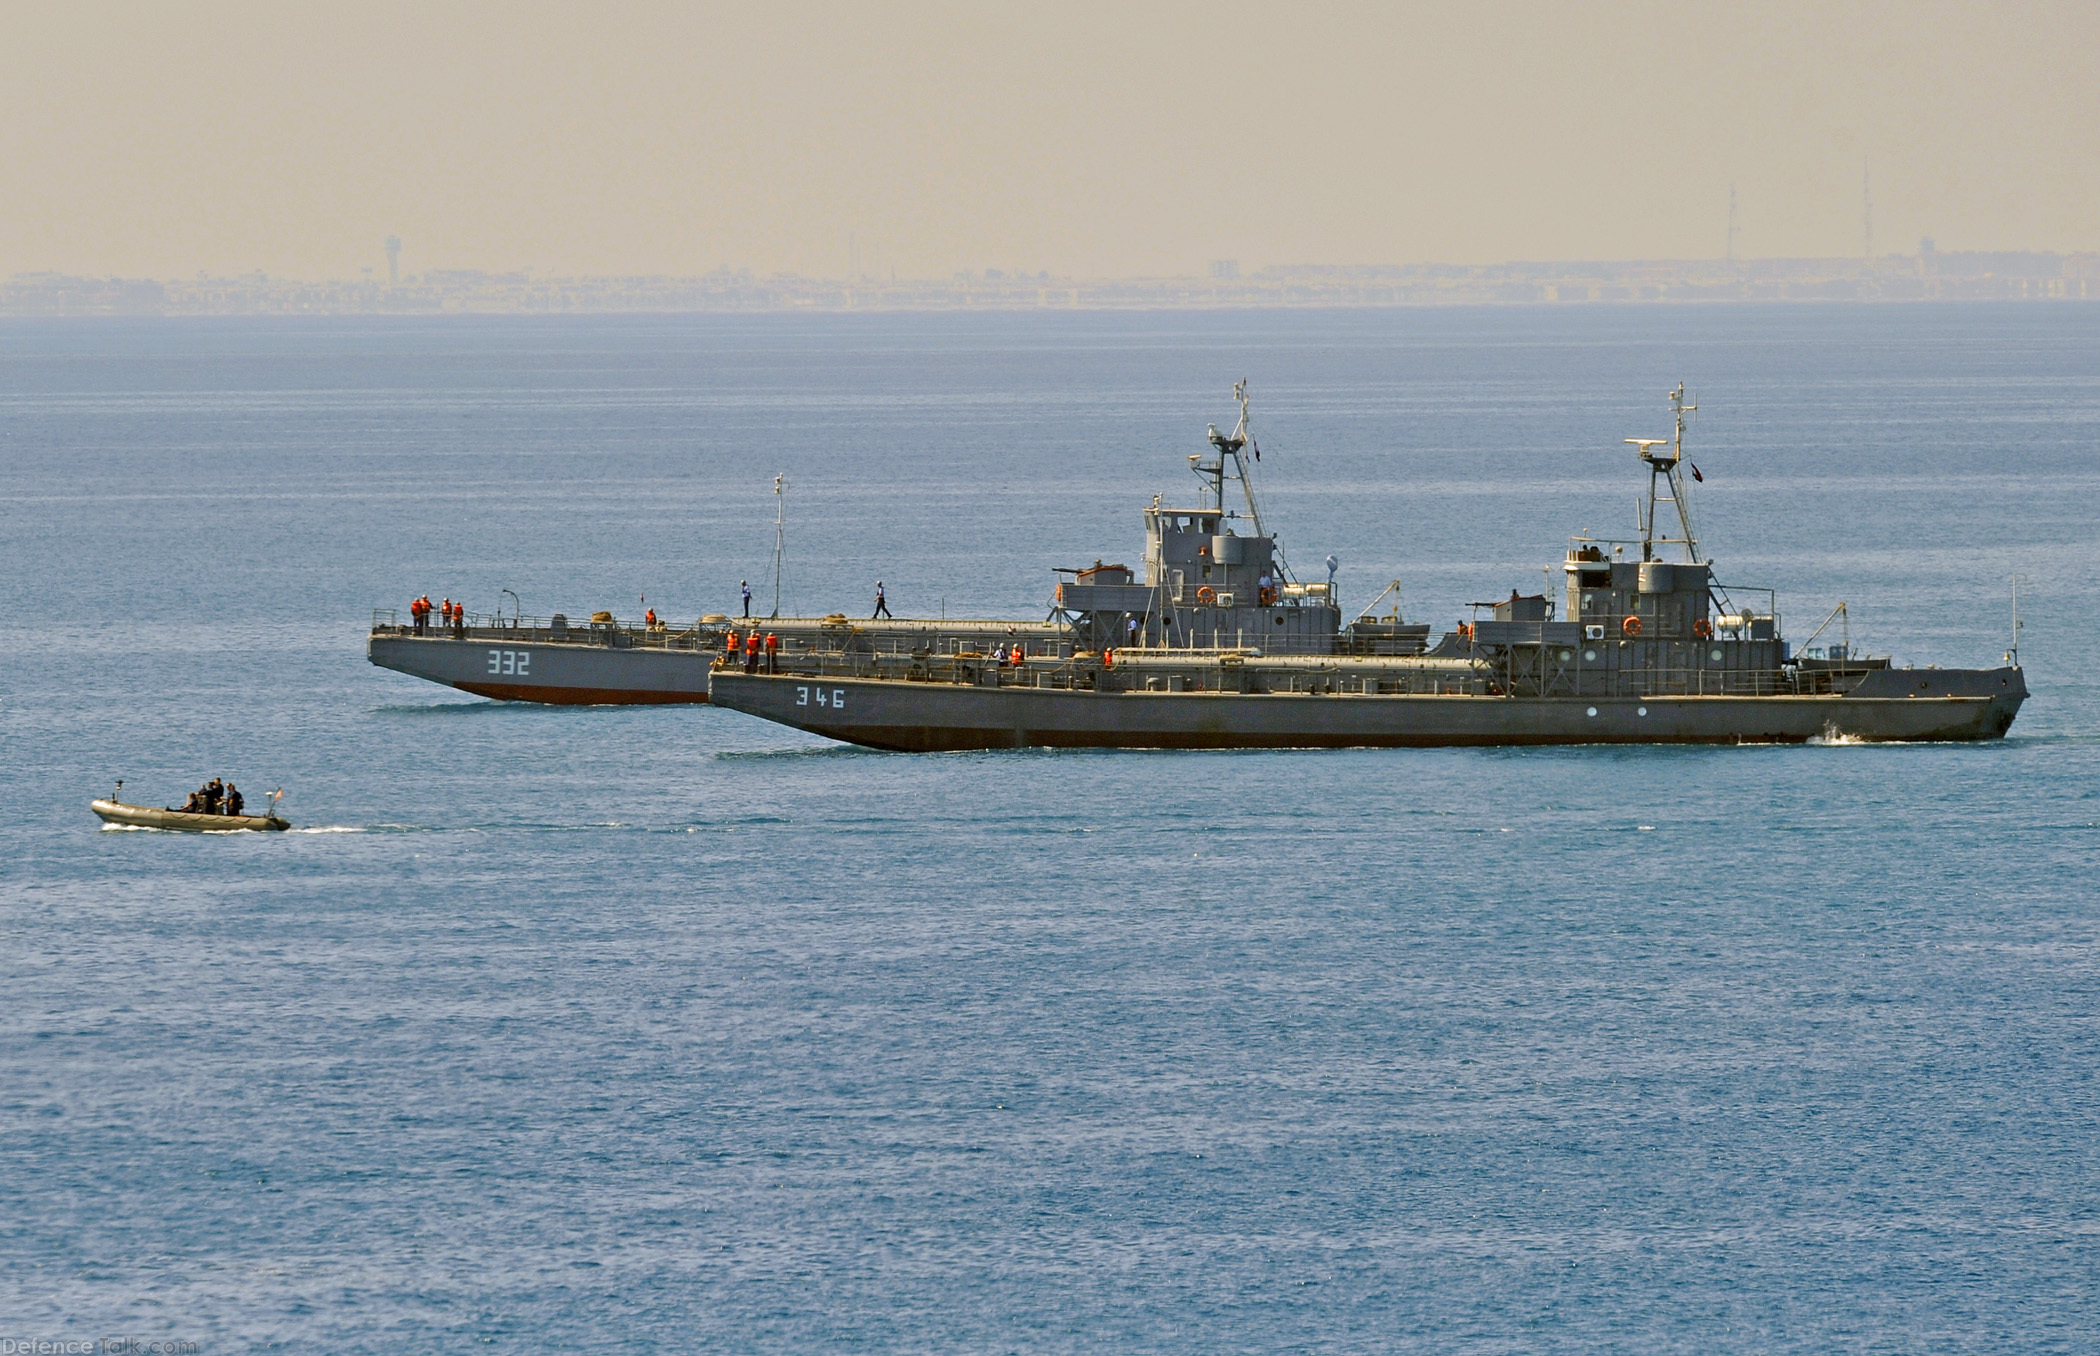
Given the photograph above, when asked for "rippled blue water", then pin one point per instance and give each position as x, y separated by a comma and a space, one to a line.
622, 1029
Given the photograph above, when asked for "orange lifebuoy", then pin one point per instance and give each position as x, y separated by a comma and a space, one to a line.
1206, 595
1631, 626
1703, 628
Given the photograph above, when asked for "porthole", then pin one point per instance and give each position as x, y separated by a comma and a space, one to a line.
1713, 656
1593, 710
1589, 656
1566, 655
1279, 619
1642, 711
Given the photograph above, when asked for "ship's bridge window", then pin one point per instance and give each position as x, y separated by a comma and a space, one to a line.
1210, 525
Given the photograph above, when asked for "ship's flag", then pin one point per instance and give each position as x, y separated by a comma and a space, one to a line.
1695, 471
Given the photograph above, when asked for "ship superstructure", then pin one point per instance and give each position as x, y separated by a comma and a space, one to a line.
1214, 577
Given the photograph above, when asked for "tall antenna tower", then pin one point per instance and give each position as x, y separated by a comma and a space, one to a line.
1735, 230
1866, 211
780, 483
393, 258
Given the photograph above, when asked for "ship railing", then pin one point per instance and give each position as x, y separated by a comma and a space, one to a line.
500, 626
1689, 682
1086, 671
933, 649
967, 667
1226, 672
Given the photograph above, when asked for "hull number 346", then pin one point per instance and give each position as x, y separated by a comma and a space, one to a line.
833, 697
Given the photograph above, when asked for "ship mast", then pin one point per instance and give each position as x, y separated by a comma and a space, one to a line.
1234, 445
1664, 471
779, 535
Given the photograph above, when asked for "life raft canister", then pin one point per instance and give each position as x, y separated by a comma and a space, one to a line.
1206, 595
1631, 626
1703, 628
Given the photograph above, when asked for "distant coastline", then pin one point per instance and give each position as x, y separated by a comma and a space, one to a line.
1926, 276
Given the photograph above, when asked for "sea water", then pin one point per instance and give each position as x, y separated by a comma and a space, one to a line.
633, 1029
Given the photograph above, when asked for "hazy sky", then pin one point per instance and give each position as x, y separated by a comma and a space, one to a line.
159, 139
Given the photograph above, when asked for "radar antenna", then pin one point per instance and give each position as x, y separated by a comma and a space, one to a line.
1664, 475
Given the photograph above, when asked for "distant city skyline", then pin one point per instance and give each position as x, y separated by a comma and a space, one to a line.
915, 141
1930, 275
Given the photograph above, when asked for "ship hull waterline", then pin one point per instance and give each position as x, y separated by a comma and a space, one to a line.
927, 718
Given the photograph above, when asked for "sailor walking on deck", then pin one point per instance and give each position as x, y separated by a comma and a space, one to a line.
882, 607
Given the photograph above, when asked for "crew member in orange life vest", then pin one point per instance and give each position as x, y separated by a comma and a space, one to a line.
751, 653
772, 652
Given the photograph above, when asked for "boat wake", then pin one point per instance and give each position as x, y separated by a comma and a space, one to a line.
1832, 737
190, 833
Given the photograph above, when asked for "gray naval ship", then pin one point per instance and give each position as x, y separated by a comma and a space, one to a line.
608, 661
1221, 646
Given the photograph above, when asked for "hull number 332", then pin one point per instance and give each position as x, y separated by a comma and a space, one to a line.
833, 697
517, 662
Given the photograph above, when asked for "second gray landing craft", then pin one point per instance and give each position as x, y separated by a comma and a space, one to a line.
607, 662
1221, 646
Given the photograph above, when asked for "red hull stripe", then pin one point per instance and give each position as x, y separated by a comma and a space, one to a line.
582, 696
